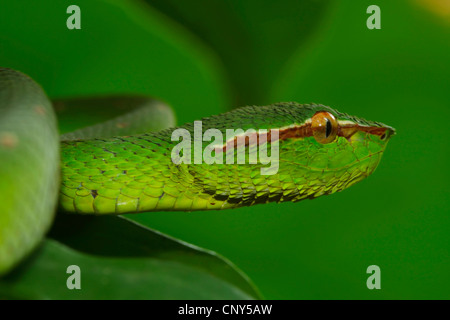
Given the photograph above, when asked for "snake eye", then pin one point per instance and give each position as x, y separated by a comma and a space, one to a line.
324, 127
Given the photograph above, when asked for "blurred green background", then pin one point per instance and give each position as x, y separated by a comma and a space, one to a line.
205, 57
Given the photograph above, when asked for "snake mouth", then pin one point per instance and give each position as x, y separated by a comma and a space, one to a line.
348, 130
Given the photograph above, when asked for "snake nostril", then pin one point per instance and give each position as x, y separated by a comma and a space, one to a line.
387, 134
392, 132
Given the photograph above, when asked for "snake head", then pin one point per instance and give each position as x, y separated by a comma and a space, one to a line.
318, 151
325, 151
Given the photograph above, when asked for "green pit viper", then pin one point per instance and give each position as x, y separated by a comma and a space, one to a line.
124, 165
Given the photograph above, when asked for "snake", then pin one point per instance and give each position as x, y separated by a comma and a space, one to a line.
126, 164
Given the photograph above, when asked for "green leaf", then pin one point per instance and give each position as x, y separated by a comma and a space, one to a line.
120, 259
254, 39
121, 48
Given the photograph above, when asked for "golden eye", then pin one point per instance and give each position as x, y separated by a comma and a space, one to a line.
324, 127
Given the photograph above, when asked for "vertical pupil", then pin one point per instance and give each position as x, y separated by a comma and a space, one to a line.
328, 128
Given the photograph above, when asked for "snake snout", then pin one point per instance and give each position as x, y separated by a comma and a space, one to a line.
388, 133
